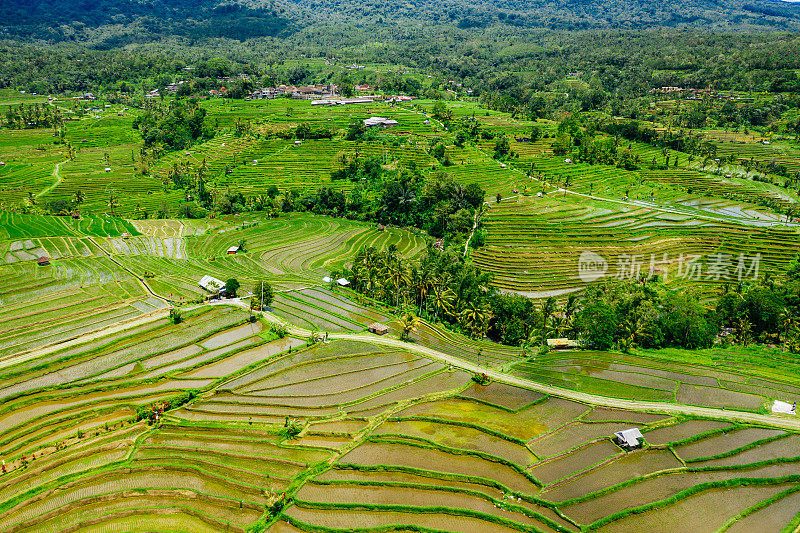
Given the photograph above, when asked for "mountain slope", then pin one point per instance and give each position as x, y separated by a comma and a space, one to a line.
130, 20
110, 23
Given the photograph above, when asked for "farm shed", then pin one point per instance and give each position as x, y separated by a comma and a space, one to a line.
629, 438
43, 260
326, 279
233, 250
562, 344
211, 284
378, 328
343, 282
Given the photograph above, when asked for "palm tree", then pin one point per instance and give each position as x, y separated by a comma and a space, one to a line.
421, 281
409, 324
789, 322
442, 298
633, 330
475, 318
743, 329
548, 308
113, 200
79, 197
397, 274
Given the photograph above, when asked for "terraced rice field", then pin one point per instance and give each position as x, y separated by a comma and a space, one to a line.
323, 310
385, 437
519, 461
164, 260
646, 377
112, 418
534, 245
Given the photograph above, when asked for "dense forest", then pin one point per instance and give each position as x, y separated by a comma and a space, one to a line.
507, 48
137, 20
508, 68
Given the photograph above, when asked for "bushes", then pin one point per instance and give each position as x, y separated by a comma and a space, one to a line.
279, 330
151, 411
481, 379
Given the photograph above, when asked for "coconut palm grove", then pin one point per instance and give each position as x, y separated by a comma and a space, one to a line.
466, 266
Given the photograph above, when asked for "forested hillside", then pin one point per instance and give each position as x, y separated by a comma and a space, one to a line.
571, 14
107, 24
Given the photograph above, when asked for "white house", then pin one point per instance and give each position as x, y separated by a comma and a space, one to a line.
211, 284
629, 438
380, 121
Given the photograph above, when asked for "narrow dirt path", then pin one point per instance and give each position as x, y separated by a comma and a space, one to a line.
790, 422
131, 272
472, 233
786, 422
57, 175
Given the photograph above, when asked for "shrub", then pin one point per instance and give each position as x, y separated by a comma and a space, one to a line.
280, 330
481, 379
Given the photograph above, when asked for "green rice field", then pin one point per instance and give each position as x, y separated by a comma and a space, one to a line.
216, 424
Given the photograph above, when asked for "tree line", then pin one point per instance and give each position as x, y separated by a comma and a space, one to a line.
442, 286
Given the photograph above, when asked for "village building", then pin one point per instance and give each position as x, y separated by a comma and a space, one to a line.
380, 121
309, 92
343, 282
378, 328
345, 101
43, 260
629, 438
233, 250
212, 285
400, 98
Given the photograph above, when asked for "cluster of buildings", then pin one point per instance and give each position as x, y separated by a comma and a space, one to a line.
308, 92
326, 95
694, 94
346, 101
171, 88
